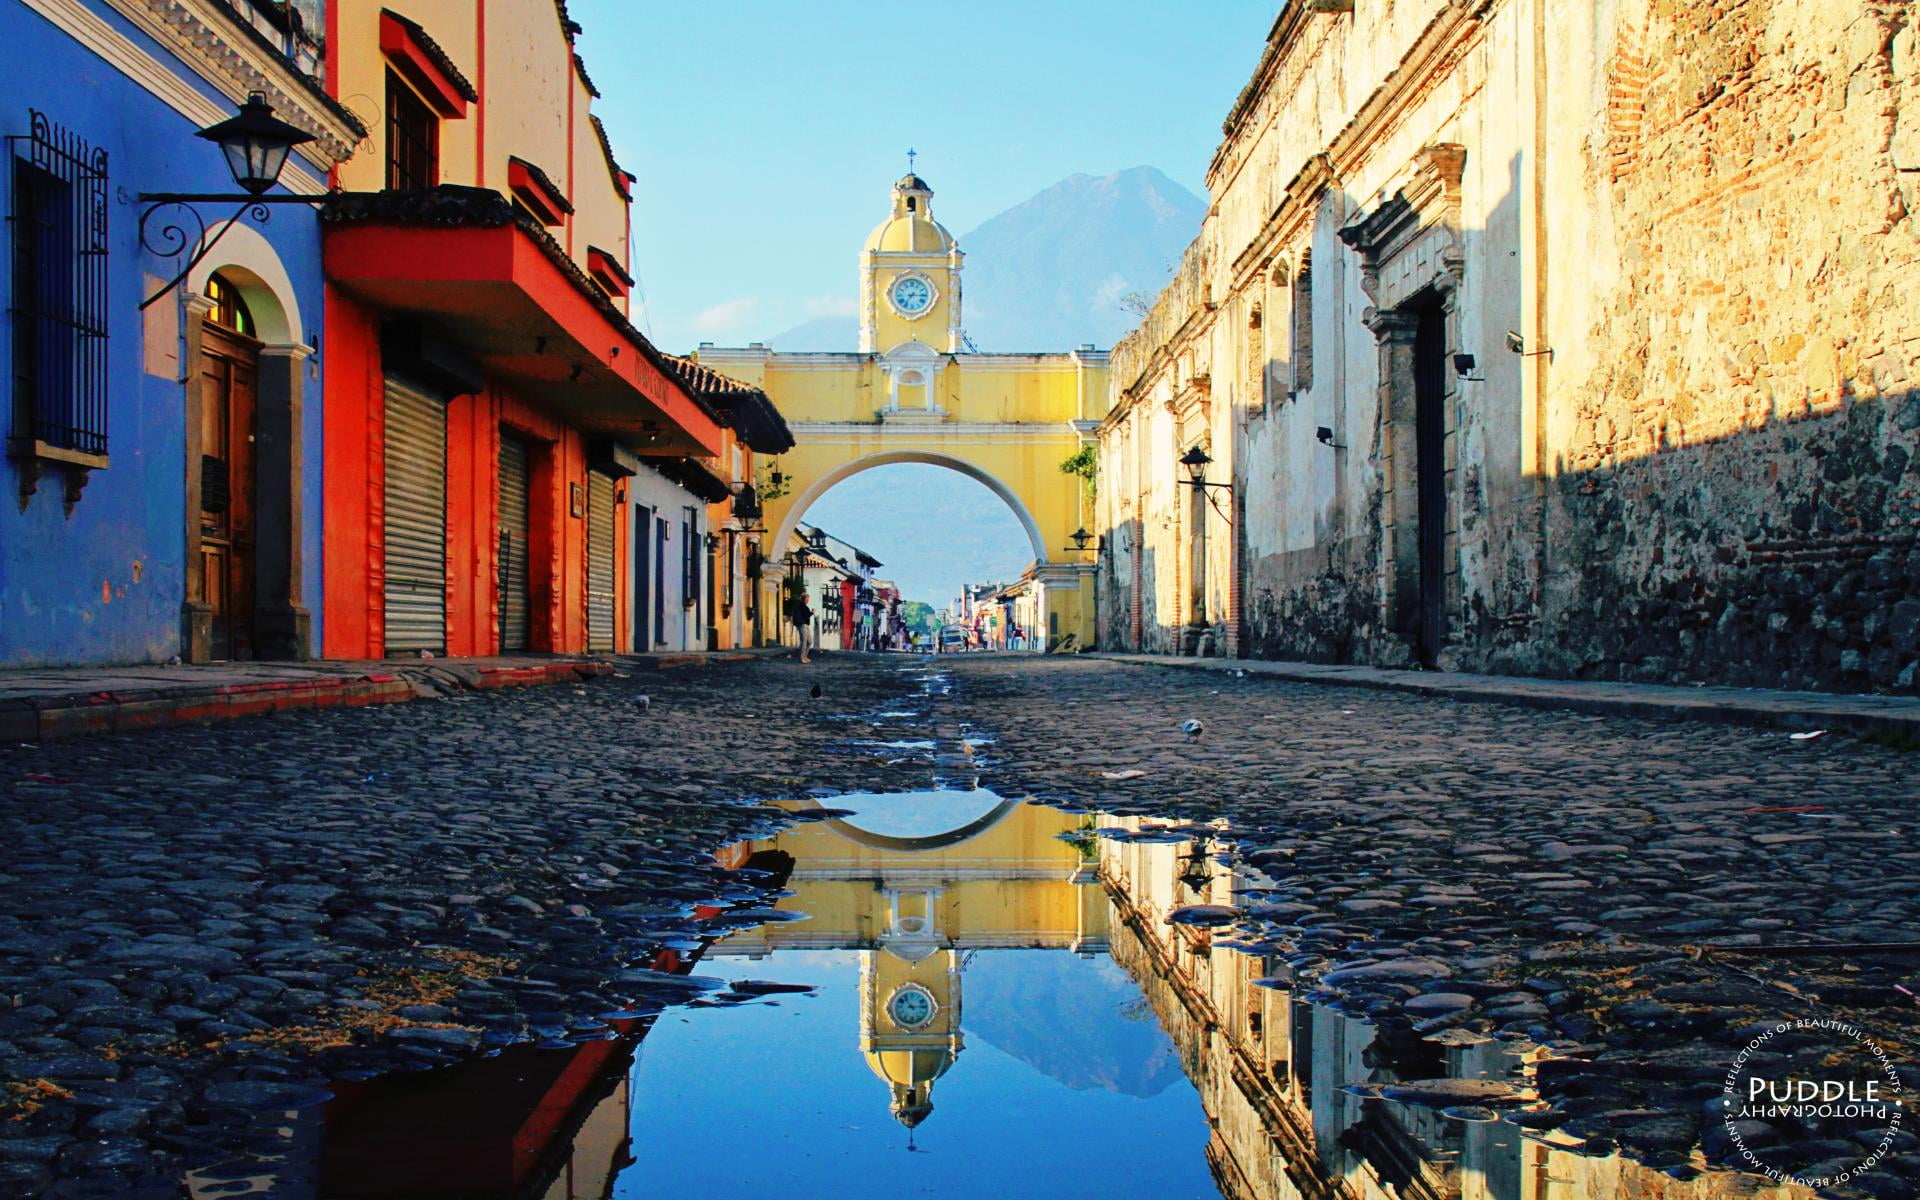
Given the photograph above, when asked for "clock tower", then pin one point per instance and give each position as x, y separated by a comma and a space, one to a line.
910, 278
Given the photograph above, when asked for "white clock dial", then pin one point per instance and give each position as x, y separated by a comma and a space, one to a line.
912, 295
910, 1008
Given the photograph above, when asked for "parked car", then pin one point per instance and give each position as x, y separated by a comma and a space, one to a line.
953, 637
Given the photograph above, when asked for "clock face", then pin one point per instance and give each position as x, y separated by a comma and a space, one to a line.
912, 295
910, 1008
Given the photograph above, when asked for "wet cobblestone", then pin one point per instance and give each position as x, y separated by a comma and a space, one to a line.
200, 923
1457, 872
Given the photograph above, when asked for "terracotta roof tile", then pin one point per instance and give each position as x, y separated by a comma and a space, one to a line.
437, 56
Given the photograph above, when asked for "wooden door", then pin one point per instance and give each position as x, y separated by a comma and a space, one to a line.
229, 366
1430, 436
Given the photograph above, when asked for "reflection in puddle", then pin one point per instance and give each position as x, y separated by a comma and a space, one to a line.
986, 998
965, 1012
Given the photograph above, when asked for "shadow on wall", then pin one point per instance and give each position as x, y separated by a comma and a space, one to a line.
1784, 552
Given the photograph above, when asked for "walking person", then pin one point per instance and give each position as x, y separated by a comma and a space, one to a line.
801, 614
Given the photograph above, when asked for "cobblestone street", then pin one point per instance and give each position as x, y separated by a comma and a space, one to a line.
200, 924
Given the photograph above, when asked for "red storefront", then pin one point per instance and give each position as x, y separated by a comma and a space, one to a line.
486, 401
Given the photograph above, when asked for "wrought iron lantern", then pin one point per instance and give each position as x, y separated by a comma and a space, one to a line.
1196, 461
256, 143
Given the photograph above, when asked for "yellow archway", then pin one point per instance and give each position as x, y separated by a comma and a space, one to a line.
917, 392
1005, 420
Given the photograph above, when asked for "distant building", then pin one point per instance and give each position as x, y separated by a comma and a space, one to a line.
836, 578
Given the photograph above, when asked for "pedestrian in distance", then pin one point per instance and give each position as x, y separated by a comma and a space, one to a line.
801, 614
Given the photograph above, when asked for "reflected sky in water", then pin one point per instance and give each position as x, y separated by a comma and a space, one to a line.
778, 1098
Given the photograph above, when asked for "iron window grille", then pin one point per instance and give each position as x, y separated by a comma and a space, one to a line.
57, 228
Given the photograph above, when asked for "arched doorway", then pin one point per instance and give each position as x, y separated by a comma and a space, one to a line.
245, 462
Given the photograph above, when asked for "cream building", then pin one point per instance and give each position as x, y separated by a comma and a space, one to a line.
915, 393
1553, 338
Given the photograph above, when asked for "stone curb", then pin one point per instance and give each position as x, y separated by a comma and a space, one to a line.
1892, 718
79, 714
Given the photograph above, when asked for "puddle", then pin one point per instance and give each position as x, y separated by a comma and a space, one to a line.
954, 993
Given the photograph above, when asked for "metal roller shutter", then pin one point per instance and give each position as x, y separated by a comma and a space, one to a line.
599, 562
513, 543
416, 520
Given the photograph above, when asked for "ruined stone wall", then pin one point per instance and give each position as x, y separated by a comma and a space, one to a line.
1702, 211
1734, 493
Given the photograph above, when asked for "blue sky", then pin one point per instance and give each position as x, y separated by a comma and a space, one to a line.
766, 133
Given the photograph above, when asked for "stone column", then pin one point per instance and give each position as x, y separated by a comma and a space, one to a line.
1197, 625
196, 614
1395, 331
1136, 603
1237, 557
283, 628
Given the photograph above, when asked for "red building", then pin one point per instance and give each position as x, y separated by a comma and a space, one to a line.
487, 399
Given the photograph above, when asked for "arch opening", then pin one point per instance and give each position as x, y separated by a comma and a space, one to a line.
249, 262
818, 488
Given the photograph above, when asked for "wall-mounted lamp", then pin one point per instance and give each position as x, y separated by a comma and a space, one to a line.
1463, 365
1197, 868
1518, 345
1196, 462
256, 144
1080, 537
1324, 436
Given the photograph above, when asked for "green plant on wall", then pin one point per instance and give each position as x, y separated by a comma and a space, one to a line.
1084, 463
765, 485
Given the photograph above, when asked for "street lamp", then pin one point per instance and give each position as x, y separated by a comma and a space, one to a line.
1080, 537
255, 144
1197, 868
1196, 461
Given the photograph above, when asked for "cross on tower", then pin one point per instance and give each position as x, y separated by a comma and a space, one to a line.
911, 154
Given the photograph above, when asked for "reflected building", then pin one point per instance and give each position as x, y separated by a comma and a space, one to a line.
1271, 1068
916, 882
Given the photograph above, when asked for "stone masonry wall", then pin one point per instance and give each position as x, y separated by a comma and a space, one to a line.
1736, 495
1707, 217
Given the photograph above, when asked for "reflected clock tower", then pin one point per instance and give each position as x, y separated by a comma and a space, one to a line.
910, 1002
916, 883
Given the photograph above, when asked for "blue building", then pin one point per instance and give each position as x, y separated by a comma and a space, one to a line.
160, 489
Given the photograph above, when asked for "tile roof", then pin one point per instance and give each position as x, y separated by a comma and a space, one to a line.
554, 195
437, 56
580, 66
745, 409
606, 148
